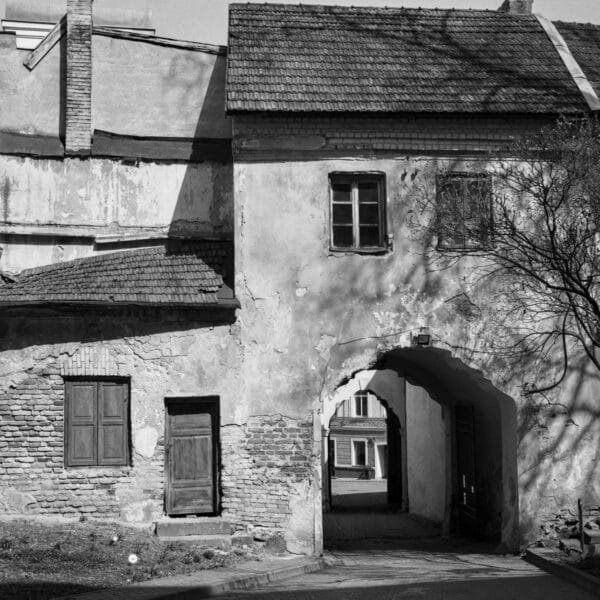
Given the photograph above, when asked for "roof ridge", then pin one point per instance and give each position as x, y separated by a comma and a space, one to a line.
577, 23
341, 8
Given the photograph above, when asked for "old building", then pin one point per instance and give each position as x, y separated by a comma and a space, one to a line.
358, 438
207, 250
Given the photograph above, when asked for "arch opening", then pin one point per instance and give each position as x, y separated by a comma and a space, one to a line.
457, 444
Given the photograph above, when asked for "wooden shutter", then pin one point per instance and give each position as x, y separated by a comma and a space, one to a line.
112, 423
81, 426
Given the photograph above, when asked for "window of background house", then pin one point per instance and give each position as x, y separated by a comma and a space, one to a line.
357, 211
96, 422
359, 452
361, 404
464, 211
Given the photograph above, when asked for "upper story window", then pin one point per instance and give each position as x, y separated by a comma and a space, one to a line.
464, 211
357, 211
361, 404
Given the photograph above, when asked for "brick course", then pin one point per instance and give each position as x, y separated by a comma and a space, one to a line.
262, 462
258, 136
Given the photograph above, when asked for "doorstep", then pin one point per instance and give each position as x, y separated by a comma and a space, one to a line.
184, 526
208, 583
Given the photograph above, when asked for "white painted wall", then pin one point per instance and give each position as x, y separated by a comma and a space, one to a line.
426, 454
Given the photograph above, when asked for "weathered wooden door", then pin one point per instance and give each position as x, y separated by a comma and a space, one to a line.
465, 462
192, 455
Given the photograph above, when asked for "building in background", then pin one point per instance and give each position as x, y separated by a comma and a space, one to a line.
357, 431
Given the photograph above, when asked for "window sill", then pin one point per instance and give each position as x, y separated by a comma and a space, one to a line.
100, 469
464, 250
367, 251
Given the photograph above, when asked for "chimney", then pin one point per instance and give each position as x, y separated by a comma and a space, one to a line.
78, 96
517, 7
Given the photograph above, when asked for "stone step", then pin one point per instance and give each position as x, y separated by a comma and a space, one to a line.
219, 542
192, 527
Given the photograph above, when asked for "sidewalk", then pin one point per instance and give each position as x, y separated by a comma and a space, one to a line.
204, 584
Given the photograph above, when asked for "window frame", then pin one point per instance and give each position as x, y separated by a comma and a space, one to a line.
363, 397
354, 178
67, 437
443, 178
353, 452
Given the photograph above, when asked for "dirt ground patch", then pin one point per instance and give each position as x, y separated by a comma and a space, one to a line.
40, 560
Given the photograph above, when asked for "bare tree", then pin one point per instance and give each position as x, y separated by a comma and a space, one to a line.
533, 226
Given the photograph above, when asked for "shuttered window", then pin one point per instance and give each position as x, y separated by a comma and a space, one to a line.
464, 211
357, 211
96, 423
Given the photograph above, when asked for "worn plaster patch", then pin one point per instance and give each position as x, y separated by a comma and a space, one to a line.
299, 535
324, 346
145, 441
140, 512
13, 501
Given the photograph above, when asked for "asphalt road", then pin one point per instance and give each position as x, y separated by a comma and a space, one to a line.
420, 573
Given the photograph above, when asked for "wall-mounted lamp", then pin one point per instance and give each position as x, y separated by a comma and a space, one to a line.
422, 338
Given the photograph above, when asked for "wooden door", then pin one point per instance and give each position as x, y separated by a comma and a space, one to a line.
192, 455
465, 462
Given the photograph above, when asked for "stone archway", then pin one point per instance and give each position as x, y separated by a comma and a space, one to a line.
455, 387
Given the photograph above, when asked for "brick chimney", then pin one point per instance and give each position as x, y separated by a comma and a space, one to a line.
78, 96
517, 7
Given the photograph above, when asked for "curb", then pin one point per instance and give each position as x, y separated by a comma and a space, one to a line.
544, 559
245, 582
182, 588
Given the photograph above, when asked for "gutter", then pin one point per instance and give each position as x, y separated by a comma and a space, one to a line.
577, 74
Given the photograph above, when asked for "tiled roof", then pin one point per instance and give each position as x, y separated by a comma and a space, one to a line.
584, 42
186, 274
348, 59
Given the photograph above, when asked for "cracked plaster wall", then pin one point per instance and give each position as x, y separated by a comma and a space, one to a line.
102, 196
267, 481
161, 358
311, 317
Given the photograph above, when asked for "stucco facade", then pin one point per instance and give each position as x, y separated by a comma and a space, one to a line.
335, 314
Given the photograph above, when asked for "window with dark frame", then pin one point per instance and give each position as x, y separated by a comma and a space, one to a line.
464, 211
96, 422
361, 404
357, 209
359, 451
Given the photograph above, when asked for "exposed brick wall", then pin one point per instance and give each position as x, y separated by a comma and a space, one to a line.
267, 461
309, 137
31, 445
78, 108
264, 463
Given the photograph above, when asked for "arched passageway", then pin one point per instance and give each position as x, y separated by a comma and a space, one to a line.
456, 454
